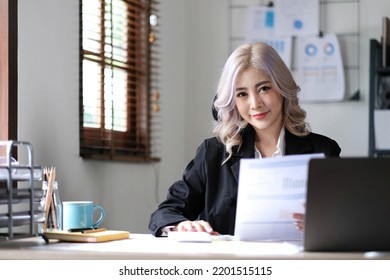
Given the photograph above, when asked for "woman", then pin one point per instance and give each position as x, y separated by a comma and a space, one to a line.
258, 116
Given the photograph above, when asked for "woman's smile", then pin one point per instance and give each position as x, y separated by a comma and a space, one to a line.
260, 116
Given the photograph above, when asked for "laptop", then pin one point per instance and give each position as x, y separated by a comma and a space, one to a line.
348, 205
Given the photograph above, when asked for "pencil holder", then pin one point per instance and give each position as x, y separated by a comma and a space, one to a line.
51, 207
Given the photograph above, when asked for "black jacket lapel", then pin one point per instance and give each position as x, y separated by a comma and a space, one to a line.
296, 145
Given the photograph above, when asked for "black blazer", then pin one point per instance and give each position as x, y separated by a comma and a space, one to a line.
208, 190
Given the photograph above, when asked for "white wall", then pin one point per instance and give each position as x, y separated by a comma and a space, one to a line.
194, 47
347, 122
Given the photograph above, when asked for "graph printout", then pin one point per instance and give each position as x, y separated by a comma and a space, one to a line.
319, 69
298, 18
269, 191
260, 27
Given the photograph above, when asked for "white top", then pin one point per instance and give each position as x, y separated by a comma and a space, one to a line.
279, 146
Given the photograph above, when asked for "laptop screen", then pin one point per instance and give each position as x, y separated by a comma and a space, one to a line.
348, 205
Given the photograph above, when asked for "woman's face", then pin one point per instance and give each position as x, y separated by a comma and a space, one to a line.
258, 101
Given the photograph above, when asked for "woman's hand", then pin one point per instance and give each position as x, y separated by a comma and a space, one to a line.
299, 220
194, 226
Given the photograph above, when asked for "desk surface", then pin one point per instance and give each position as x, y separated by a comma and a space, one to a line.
145, 246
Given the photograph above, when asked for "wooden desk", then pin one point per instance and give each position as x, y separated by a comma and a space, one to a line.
145, 246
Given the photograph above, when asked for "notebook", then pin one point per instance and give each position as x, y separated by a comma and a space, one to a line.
348, 205
94, 237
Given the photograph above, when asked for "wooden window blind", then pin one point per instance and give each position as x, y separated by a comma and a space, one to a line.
119, 95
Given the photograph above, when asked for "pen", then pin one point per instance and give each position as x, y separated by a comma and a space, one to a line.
86, 230
79, 229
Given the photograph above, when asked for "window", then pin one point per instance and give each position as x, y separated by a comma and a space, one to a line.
119, 98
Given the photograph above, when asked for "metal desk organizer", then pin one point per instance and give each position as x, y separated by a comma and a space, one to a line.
19, 199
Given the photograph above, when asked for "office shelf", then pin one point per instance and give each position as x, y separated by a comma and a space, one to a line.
379, 103
19, 199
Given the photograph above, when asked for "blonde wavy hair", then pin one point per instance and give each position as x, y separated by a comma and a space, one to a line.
265, 59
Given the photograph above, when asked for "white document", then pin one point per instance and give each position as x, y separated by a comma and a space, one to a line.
320, 72
269, 191
260, 27
297, 17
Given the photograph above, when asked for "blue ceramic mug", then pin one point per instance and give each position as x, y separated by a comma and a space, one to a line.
80, 214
